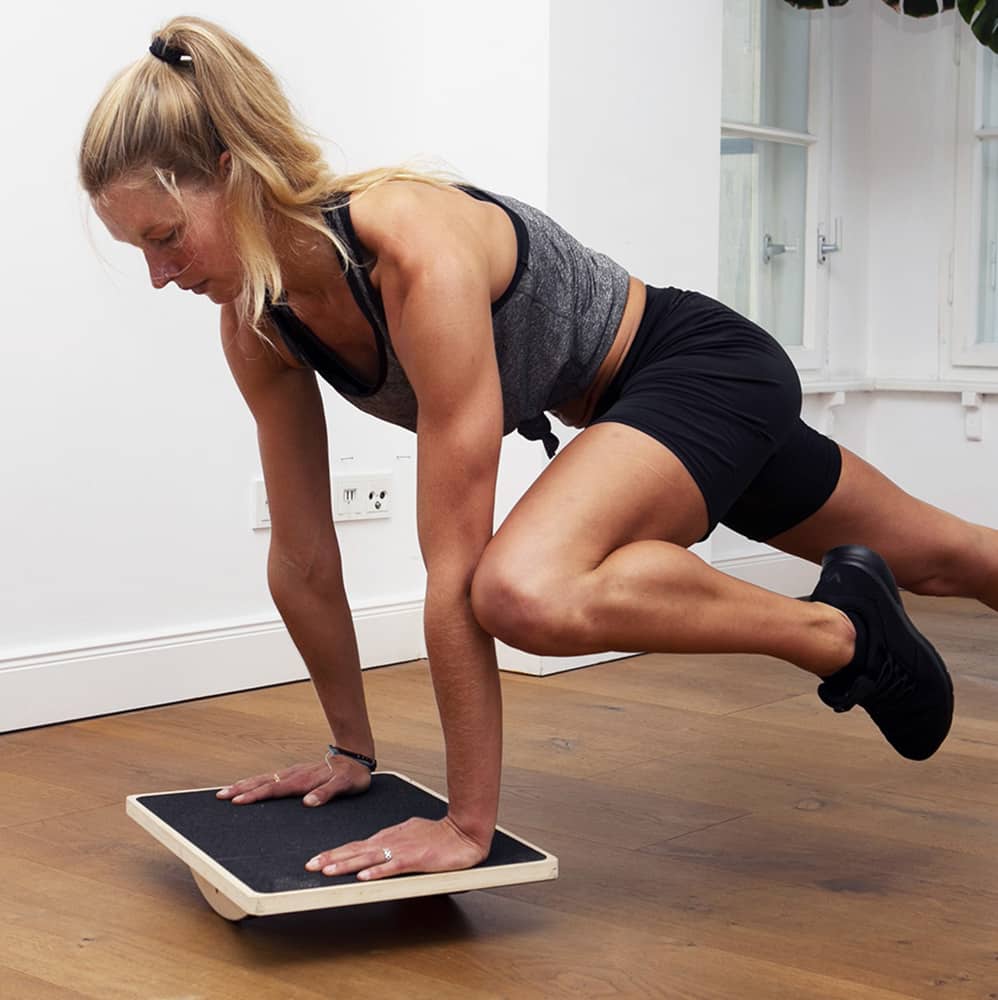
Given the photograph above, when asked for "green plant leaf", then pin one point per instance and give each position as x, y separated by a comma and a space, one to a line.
924, 8
913, 8
982, 16
816, 4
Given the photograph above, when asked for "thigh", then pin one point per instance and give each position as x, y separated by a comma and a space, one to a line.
795, 482
920, 542
611, 485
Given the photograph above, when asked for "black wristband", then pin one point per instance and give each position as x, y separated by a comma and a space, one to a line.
369, 762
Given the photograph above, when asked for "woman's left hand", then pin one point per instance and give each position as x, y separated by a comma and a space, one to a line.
417, 845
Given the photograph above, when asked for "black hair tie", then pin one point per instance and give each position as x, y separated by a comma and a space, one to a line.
168, 53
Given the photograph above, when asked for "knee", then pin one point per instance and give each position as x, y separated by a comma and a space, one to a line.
521, 608
961, 565
507, 604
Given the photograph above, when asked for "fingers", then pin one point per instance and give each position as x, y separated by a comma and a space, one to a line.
369, 860
318, 782
417, 845
342, 781
261, 786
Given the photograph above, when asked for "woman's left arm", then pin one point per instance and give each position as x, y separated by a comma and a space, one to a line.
435, 283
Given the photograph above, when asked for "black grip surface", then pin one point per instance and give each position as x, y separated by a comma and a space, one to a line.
266, 844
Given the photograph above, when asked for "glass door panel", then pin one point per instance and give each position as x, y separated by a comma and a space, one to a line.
763, 216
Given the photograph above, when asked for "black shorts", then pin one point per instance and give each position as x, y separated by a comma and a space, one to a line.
722, 395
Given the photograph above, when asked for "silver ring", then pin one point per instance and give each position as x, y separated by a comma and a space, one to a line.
387, 852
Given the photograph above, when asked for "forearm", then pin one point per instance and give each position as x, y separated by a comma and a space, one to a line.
466, 683
319, 621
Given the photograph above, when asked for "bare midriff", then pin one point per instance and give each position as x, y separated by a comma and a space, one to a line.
579, 411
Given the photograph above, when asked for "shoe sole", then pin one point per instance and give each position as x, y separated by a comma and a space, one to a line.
869, 562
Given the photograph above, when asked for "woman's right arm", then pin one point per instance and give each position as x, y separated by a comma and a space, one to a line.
304, 571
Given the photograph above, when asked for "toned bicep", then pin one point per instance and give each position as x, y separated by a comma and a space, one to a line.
447, 345
435, 284
291, 434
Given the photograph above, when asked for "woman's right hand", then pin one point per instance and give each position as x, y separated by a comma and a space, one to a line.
317, 782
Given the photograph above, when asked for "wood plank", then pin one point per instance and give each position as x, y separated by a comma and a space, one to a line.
721, 834
603, 812
27, 798
712, 685
24, 987
72, 932
892, 943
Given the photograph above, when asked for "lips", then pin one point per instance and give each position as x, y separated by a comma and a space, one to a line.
199, 288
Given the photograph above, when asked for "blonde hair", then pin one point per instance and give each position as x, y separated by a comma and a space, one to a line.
171, 121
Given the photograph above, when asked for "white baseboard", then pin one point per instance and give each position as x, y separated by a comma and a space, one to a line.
774, 571
518, 662
64, 685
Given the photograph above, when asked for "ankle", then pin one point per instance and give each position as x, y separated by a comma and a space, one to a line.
836, 641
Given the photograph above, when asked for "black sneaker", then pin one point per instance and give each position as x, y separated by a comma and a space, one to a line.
896, 675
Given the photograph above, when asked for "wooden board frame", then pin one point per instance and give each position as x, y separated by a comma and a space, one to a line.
233, 899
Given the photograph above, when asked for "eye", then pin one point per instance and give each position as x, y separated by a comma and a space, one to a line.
164, 241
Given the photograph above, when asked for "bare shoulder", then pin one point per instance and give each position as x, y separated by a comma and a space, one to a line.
401, 216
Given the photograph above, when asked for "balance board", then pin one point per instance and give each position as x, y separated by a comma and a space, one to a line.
250, 860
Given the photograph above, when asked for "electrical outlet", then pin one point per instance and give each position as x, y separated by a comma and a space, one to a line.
362, 497
261, 507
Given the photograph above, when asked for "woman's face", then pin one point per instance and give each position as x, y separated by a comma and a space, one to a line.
189, 244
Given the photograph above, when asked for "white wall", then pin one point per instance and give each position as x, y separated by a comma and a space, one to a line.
919, 440
134, 450
130, 573
635, 107
910, 188
849, 188
920, 443
128, 452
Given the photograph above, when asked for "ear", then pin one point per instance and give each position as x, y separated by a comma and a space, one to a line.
224, 165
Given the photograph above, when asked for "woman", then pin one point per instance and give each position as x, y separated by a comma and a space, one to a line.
463, 315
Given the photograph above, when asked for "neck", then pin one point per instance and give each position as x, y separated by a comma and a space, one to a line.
310, 265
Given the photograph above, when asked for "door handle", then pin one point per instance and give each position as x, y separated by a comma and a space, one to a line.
771, 249
824, 247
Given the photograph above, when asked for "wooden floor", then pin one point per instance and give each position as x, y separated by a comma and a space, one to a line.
721, 835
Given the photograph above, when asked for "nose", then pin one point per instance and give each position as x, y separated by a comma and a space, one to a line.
159, 273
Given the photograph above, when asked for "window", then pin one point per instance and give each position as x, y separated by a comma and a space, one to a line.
768, 266
973, 279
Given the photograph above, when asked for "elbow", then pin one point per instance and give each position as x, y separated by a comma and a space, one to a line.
290, 572
448, 587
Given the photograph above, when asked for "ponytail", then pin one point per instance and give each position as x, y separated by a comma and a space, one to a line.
198, 93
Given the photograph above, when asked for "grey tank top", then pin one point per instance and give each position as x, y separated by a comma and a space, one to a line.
553, 326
